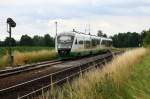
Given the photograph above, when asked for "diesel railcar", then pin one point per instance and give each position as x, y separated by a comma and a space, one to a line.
76, 43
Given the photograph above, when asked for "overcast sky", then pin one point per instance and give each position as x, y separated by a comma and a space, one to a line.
37, 17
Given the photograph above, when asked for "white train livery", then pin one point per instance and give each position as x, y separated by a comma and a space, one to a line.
76, 43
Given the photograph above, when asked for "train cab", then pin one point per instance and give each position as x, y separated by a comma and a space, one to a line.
64, 43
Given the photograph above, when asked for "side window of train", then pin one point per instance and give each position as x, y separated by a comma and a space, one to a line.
110, 43
97, 41
106, 43
94, 42
76, 42
81, 42
72, 38
87, 44
103, 42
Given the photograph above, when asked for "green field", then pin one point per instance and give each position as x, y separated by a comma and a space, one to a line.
4, 50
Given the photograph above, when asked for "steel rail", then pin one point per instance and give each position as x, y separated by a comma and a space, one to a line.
25, 68
69, 68
63, 79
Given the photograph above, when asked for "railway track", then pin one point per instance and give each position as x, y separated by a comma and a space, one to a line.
34, 66
61, 70
29, 67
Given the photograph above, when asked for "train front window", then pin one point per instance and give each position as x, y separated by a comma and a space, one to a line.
65, 38
65, 41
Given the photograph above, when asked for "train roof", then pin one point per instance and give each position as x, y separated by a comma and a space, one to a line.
67, 33
106, 39
73, 33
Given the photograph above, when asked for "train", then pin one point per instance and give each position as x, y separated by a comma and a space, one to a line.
76, 43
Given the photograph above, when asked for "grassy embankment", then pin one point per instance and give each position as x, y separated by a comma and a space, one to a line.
126, 77
23, 55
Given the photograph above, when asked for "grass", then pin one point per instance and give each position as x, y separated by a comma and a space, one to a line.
4, 50
139, 79
24, 55
126, 77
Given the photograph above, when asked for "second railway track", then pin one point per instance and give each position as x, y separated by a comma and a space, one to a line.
25, 68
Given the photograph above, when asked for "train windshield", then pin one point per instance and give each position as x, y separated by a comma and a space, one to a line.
65, 41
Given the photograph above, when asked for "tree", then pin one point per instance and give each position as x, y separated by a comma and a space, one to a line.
104, 35
1, 43
127, 40
101, 34
8, 41
38, 41
146, 40
134, 40
26, 40
49, 41
143, 35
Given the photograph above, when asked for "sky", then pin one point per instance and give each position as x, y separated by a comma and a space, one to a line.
38, 17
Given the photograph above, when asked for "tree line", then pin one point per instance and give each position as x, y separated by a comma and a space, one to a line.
127, 40
120, 40
146, 37
26, 40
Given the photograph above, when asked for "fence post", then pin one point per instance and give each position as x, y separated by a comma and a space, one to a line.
69, 87
18, 97
80, 71
51, 85
89, 66
105, 61
113, 55
42, 93
67, 79
95, 65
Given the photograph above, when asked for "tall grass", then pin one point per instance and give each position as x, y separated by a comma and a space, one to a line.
107, 83
21, 58
4, 50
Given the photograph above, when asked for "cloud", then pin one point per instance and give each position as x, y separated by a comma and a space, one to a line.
109, 24
36, 17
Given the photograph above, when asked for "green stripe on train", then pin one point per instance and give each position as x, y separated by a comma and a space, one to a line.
84, 53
